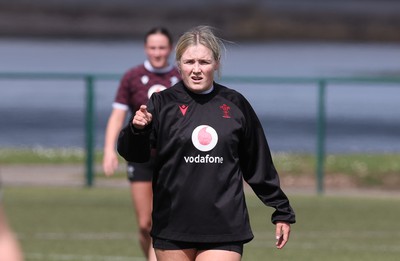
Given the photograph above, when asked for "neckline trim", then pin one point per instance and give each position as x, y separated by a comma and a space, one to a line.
150, 68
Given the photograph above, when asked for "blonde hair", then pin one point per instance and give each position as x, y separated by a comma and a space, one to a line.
200, 35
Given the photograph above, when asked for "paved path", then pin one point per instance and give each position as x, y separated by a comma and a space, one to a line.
52, 175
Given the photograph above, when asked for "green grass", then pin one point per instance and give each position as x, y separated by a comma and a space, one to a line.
55, 224
365, 169
42, 155
73, 223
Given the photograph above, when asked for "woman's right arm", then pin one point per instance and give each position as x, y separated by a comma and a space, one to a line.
114, 125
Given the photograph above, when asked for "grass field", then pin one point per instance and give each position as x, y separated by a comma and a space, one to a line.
78, 224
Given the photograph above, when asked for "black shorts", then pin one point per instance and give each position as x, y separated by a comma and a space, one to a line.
140, 171
165, 244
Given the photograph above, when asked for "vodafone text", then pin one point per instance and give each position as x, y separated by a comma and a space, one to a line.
203, 159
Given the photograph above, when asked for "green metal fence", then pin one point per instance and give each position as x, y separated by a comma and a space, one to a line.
321, 82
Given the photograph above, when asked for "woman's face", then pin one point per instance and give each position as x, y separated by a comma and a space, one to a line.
158, 49
197, 66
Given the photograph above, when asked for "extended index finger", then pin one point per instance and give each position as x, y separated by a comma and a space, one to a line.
143, 108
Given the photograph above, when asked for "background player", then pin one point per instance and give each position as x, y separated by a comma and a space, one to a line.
136, 86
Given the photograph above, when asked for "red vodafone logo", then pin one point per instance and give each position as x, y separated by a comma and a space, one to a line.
204, 138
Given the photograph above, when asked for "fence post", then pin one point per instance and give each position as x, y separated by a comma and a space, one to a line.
321, 136
89, 130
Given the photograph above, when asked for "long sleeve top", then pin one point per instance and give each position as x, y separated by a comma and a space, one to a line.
206, 145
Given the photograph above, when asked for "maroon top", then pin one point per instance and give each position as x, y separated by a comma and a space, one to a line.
140, 82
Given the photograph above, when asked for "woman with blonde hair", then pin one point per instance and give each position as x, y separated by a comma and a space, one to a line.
208, 140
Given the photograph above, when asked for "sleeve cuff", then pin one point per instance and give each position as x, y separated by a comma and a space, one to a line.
136, 131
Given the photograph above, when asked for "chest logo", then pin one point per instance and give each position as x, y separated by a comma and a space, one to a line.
144, 79
225, 109
204, 138
183, 108
155, 88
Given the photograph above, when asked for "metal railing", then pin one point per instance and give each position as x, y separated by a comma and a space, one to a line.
321, 82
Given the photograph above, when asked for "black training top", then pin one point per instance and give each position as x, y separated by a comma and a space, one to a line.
206, 144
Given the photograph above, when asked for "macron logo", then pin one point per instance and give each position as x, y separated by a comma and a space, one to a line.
183, 109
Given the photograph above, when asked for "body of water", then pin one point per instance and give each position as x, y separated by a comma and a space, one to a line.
361, 117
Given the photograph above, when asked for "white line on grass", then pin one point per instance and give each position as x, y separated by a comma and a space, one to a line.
329, 246
69, 257
81, 236
339, 234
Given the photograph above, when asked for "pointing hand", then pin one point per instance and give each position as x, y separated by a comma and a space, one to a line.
142, 118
